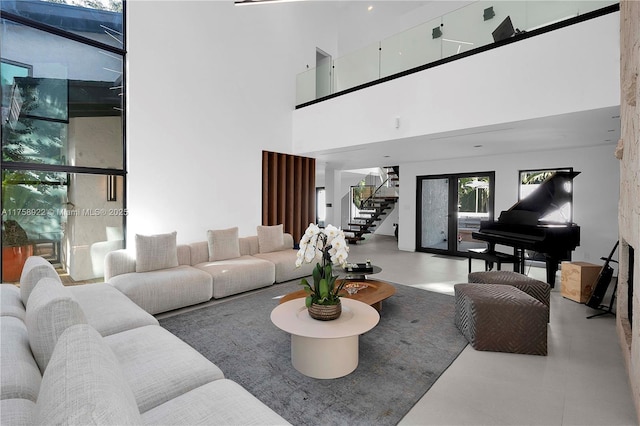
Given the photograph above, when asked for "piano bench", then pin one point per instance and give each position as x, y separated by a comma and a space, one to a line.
491, 257
501, 318
539, 290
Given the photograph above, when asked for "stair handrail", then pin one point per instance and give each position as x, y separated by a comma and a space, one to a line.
363, 203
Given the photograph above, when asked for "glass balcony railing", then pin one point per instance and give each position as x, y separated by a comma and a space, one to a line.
475, 25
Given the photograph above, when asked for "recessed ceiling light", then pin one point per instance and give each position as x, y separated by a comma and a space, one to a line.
477, 146
611, 130
387, 156
616, 116
370, 8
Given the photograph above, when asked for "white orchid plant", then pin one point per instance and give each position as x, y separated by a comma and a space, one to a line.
327, 247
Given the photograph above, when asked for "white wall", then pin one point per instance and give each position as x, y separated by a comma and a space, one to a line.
595, 192
572, 69
210, 86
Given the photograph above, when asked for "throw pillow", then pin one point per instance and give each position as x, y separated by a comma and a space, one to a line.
51, 309
155, 252
223, 244
270, 238
85, 384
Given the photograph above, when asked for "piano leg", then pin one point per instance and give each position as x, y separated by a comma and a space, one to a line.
519, 265
519, 252
552, 268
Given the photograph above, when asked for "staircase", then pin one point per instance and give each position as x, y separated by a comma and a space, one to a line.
375, 208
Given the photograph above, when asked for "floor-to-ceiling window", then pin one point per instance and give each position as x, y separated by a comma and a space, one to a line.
450, 209
63, 158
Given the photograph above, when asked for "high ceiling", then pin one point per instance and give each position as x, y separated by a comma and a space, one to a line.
575, 130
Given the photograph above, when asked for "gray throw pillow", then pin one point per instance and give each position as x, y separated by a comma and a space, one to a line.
223, 244
155, 252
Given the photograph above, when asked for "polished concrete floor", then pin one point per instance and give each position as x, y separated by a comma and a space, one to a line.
582, 381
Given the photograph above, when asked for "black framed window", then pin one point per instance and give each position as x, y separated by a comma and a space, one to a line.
63, 158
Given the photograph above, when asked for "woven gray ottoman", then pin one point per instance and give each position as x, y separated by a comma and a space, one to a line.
537, 289
501, 318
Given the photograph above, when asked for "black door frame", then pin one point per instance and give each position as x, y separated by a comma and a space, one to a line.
452, 218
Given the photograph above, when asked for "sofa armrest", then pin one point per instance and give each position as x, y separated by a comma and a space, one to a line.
99, 251
119, 262
288, 241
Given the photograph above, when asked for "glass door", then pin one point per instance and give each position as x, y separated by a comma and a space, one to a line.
434, 220
473, 207
450, 209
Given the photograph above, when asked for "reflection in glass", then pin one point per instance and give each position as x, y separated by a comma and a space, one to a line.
67, 110
62, 116
473, 207
531, 180
97, 20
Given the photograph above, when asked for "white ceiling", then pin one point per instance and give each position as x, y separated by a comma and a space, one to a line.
582, 129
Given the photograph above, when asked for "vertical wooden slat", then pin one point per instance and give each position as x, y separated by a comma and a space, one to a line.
275, 170
265, 187
298, 206
304, 201
281, 190
290, 214
311, 191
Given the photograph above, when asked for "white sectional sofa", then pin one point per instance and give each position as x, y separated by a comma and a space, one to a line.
159, 290
221, 266
88, 355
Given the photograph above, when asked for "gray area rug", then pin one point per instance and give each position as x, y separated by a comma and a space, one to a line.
400, 359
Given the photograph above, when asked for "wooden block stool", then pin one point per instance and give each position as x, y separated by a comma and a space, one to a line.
537, 289
501, 318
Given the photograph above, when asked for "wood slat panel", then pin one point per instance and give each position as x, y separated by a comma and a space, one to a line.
288, 192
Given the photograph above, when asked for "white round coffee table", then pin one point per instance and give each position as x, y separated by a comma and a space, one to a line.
325, 349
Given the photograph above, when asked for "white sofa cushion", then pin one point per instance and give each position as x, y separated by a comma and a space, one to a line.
155, 252
19, 372
223, 244
51, 309
238, 275
108, 310
11, 302
165, 290
222, 402
285, 262
270, 238
17, 412
159, 366
35, 268
84, 384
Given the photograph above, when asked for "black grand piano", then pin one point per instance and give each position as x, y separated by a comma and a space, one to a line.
521, 226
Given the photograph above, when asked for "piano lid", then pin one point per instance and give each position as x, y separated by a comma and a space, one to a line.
546, 198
